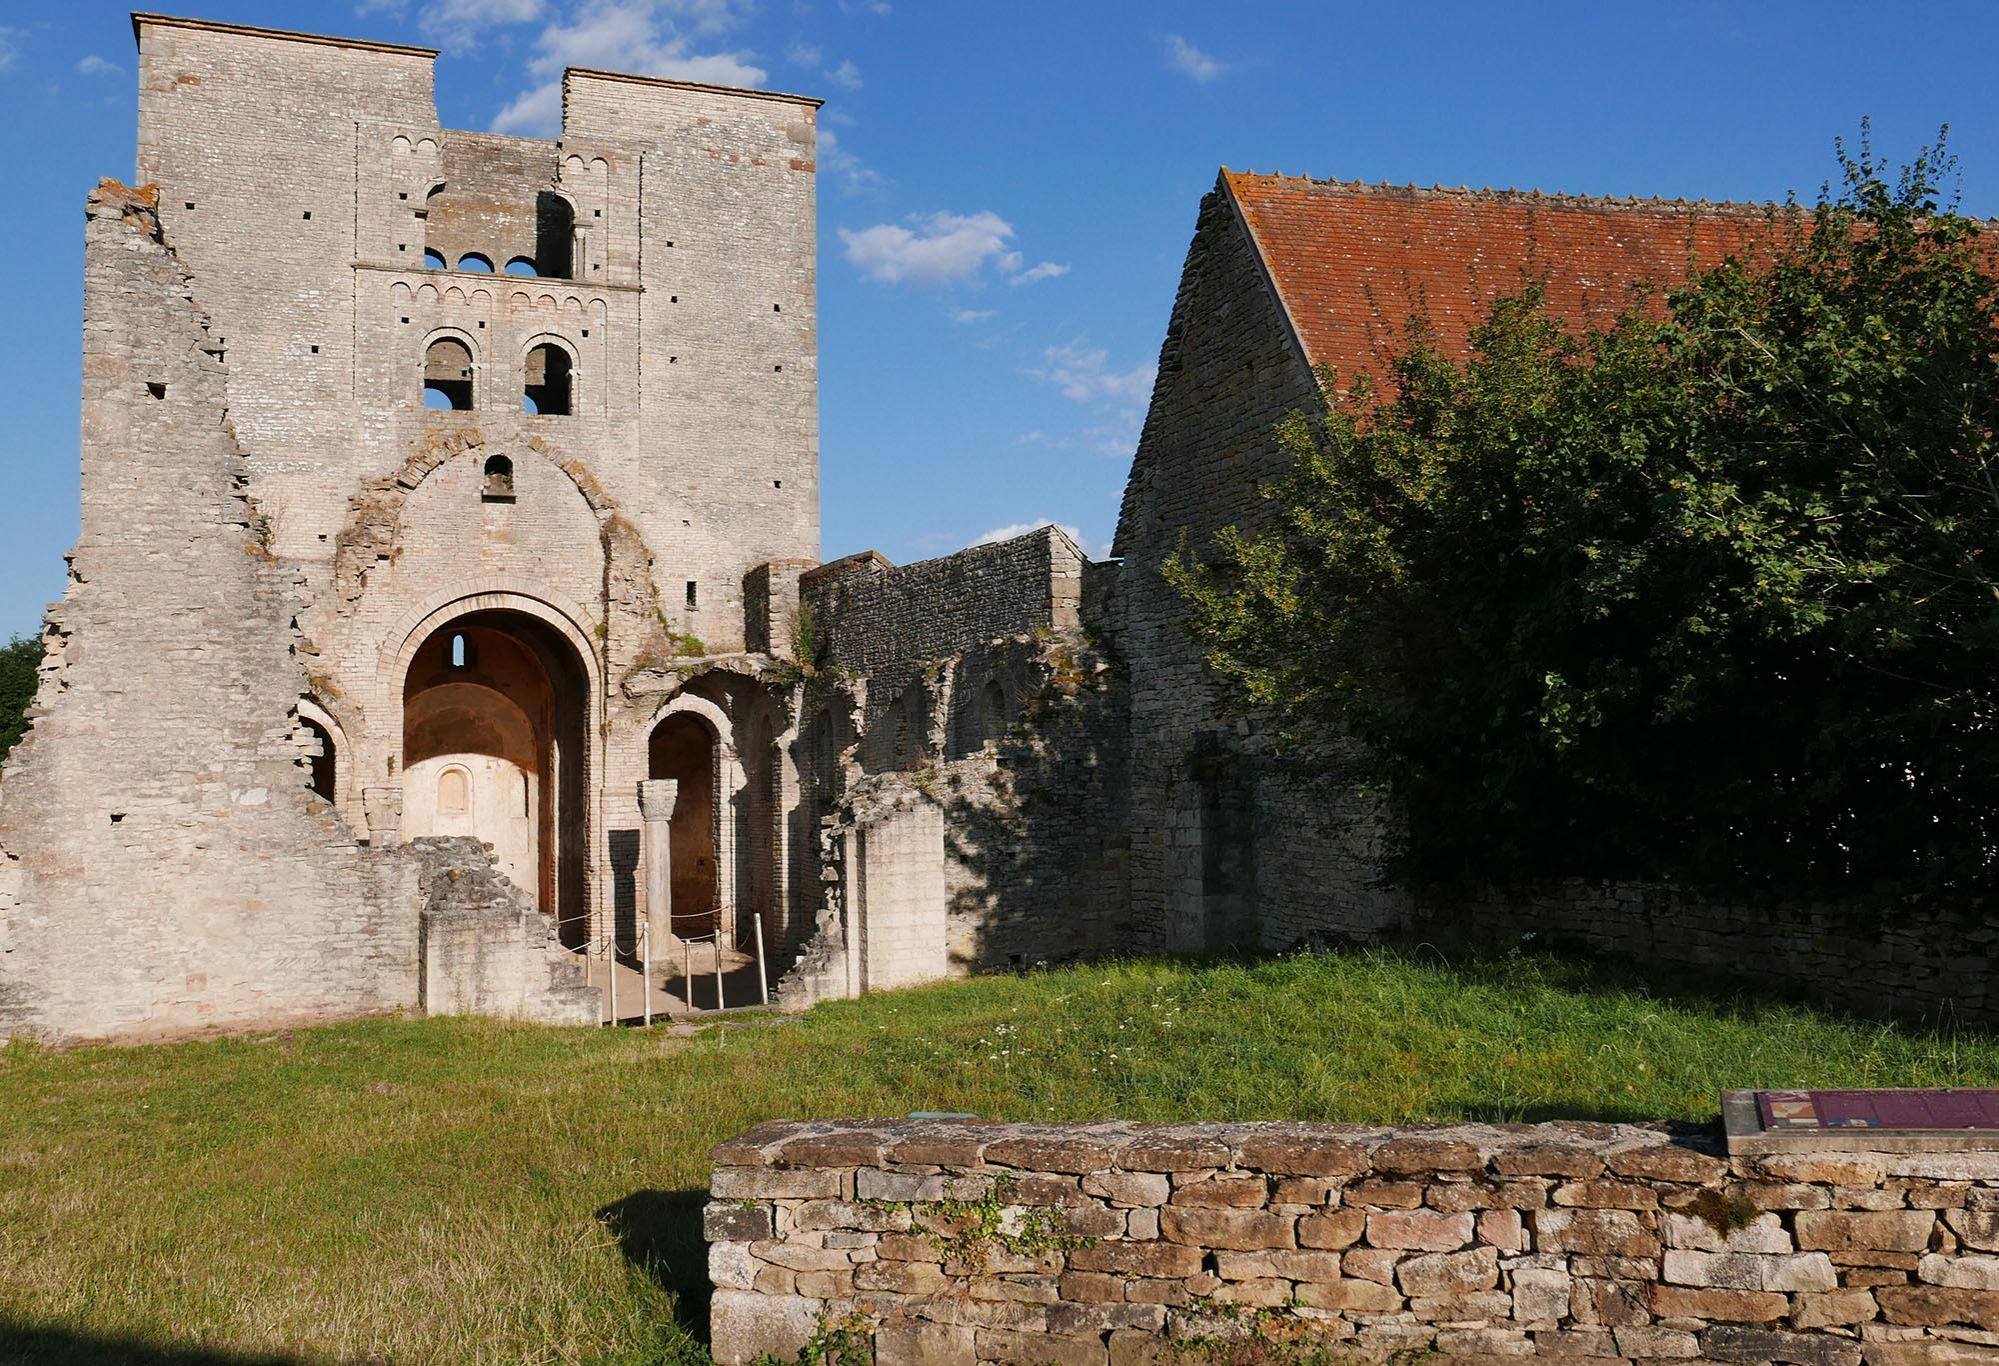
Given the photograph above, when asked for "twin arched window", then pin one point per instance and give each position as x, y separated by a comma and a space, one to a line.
548, 380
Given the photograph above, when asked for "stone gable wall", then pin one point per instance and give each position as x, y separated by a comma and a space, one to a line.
1109, 1244
1205, 806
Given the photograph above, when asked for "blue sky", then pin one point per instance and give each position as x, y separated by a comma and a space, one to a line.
1010, 188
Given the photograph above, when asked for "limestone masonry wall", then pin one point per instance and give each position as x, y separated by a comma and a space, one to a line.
1123, 1243
162, 864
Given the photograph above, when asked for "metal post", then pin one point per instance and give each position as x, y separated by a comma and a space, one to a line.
763, 976
718, 961
611, 962
645, 970
687, 972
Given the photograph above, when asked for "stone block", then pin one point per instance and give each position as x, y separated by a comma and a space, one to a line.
1139, 1259
1761, 1346
1350, 1296
1611, 1303
1975, 1228
1132, 1189
1377, 1194
1419, 1230
1836, 1308
1825, 1169
913, 1342
1604, 1195
744, 1326
1610, 1232
732, 1265
1933, 1306
1657, 1344
1549, 1159
1483, 1344
1666, 1162
1074, 1156
1730, 1306
1446, 1274
1335, 1228
1503, 1229
1167, 1152
1412, 1155
1764, 1233
1227, 1190
1092, 1287
1750, 1271
1884, 1230
776, 1183
1255, 1294
1035, 1349
1238, 1230
1280, 1263
1959, 1273
850, 1216
1541, 1294
1301, 1154
723, 1222
1372, 1263
795, 1256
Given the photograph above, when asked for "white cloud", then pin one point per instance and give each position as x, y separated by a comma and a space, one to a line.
1047, 270
1188, 60
94, 65
854, 175
973, 315
940, 248
846, 75
10, 47
1007, 533
643, 37
1082, 373
802, 53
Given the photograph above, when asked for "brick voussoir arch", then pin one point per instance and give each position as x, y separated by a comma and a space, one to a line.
400, 644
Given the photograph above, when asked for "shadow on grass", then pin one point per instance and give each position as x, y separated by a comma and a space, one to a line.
23, 1344
659, 1232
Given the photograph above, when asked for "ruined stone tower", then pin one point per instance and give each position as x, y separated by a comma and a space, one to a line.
429, 456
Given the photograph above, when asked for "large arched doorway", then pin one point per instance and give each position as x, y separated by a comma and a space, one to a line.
683, 747
495, 719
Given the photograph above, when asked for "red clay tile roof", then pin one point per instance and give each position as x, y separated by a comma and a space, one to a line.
1354, 263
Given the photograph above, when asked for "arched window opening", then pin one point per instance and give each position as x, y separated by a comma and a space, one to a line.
549, 381
992, 710
447, 375
473, 260
454, 792
433, 259
499, 485
683, 747
324, 776
554, 235
520, 265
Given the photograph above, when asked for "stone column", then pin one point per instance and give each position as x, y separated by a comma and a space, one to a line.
383, 809
656, 799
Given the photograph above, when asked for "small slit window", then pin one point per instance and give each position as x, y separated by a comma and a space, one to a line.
549, 382
472, 260
447, 375
499, 485
521, 265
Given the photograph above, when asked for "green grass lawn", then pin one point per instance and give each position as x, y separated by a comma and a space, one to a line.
462, 1191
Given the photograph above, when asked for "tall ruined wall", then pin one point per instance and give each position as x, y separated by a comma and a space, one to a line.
1115, 1244
165, 866
1224, 850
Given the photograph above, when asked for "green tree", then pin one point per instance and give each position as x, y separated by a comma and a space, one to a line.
20, 665
1705, 597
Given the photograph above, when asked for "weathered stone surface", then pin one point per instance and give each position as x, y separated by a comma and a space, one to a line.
1050, 1155
1934, 1306
1763, 1233
1541, 1295
914, 1342
1422, 1230
1037, 1349
1549, 1159
1666, 1162
1128, 1188
1354, 1296
1732, 1306
1762, 1346
773, 1183
1139, 1259
1960, 1273
1835, 1308
1750, 1271
1227, 1190
1976, 1228
1445, 1274
744, 1326
1401, 1155
723, 1221
1886, 1230
1300, 1154
1237, 1230
1335, 1228
1605, 1195
1646, 1344
1828, 1169
1614, 1233
1501, 1228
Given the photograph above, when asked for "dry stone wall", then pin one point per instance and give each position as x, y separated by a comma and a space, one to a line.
947, 1242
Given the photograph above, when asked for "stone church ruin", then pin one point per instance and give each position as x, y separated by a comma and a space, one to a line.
447, 630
